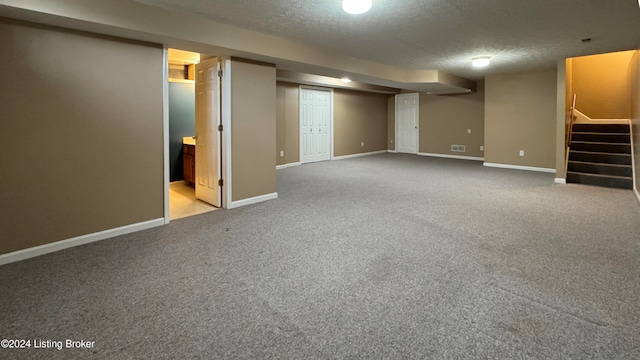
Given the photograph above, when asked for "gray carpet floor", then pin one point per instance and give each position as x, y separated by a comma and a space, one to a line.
383, 257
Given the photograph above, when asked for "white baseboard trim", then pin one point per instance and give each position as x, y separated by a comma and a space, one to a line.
518, 167
460, 157
392, 151
343, 157
77, 241
280, 167
560, 181
253, 200
635, 191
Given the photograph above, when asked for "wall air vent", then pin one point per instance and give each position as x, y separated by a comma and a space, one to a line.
458, 148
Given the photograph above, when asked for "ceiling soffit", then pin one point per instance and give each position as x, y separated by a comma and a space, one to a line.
396, 43
439, 34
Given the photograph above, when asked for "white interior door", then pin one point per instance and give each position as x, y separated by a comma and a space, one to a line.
407, 123
207, 134
315, 125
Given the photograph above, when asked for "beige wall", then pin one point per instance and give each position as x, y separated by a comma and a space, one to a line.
391, 122
561, 117
288, 126
253, 130
446, 119
601, 85
359, 117
81, 127
568, 66
634, 82
520, 114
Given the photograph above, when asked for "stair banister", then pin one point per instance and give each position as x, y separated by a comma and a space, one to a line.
571, 121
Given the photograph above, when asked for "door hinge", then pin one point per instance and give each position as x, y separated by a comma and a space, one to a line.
220, 182
220, 127
219, 73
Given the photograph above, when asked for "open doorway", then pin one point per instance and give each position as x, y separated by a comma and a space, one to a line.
184, 147
598, 142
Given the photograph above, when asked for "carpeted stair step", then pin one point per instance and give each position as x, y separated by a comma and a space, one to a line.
600, 180
601, 147
596, 157
602, 137
600, 155
601, 128
599, 168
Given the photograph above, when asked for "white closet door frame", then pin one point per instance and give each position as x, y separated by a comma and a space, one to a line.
331, 128
225, 113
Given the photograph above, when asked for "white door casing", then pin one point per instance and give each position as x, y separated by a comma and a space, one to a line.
407, 123
316, 123
207, 135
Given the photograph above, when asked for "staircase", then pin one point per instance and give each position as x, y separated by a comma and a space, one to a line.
600, 155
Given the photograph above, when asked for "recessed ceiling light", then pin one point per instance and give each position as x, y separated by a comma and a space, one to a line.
356, 6
480, 61
345, 80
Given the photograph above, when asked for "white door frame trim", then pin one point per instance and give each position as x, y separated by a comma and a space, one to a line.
165, 130
417, 122
225, 113
331, 136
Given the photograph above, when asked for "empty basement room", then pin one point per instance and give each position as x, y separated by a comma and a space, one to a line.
395, 181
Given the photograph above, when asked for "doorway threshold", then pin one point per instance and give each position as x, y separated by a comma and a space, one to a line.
183, 202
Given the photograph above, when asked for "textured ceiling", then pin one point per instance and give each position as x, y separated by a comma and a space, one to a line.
439, 34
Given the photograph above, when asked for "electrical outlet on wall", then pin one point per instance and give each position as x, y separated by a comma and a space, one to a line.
468, 131
362, 144
521, 152
481, 147
281, 153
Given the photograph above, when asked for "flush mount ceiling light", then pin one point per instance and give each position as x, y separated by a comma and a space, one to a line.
345, 80
356, 6
480, 61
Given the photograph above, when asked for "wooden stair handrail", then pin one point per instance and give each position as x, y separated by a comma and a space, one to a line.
569, 133
571, 121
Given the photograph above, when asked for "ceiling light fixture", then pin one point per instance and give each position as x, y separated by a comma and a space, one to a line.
356, 7
345, 80
480, 61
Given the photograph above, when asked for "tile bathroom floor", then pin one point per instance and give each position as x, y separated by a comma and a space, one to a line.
183, 202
